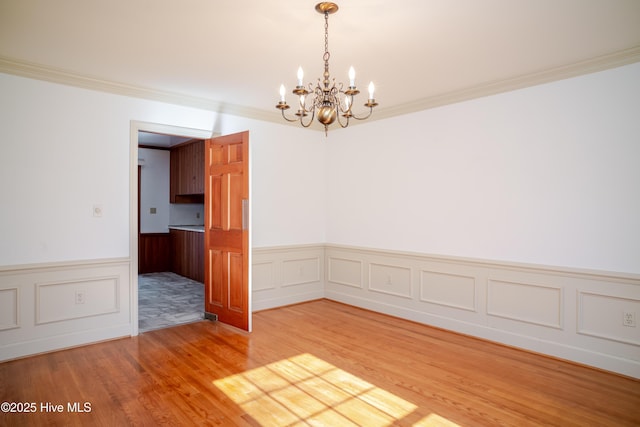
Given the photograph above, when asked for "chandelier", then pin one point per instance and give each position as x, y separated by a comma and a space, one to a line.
328, 102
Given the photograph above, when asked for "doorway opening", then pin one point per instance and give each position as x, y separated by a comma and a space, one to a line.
160, 297
171, 232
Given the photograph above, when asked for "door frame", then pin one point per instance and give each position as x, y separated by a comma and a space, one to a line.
135, 127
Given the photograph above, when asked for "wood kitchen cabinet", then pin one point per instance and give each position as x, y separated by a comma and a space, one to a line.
187, 254
153, 253
186, 170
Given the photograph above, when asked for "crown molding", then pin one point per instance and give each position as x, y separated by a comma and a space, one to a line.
592, 65
54, 75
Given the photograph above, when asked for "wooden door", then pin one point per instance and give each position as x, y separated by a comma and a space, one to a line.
226, 229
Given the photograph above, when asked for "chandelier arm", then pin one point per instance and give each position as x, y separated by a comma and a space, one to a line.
340, 121
313, 114
287, 118
365, 117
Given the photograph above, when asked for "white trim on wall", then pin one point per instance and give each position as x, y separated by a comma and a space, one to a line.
45, 314
572, 314
287, 275
567, 313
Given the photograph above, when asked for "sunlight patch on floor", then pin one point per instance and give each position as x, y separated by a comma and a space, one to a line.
305, 390
434, 420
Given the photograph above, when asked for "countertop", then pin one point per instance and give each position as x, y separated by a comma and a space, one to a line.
196, 228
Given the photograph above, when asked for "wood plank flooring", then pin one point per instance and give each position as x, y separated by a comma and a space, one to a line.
317, 363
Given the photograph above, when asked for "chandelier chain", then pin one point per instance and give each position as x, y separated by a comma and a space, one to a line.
327, 55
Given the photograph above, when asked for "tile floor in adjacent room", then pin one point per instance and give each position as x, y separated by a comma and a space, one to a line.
167, 299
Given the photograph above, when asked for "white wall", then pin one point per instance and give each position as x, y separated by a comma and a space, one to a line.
186, 214
546, 175
66, 149
288, 184
154, 193
154, 190
66, 277
514, 217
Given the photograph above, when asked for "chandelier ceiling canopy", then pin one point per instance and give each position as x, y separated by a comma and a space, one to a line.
328, 101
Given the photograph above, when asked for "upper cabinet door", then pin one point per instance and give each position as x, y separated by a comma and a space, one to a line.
187, 173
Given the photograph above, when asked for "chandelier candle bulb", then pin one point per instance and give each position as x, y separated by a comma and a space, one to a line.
282, 92
352, 77
300, 76
371, 89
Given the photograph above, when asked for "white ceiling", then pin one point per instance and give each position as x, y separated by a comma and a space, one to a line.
236, 54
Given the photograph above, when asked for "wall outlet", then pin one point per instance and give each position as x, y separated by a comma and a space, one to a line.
80, 297
629, 319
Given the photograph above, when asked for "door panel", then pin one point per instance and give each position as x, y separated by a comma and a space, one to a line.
226, 234
215, 211
236, 294
214, 266
235, 208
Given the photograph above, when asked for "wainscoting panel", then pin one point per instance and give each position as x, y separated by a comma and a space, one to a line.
530, 303
286, 275
390, 279
59, 301
54, 306
446, 289
9, 308
300, 271
343, 271
602, 316
262, 276
567, 313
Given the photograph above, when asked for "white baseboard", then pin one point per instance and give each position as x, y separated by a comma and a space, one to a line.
267, 304
62, 341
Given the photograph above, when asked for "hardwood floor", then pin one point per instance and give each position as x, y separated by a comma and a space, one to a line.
317, 363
